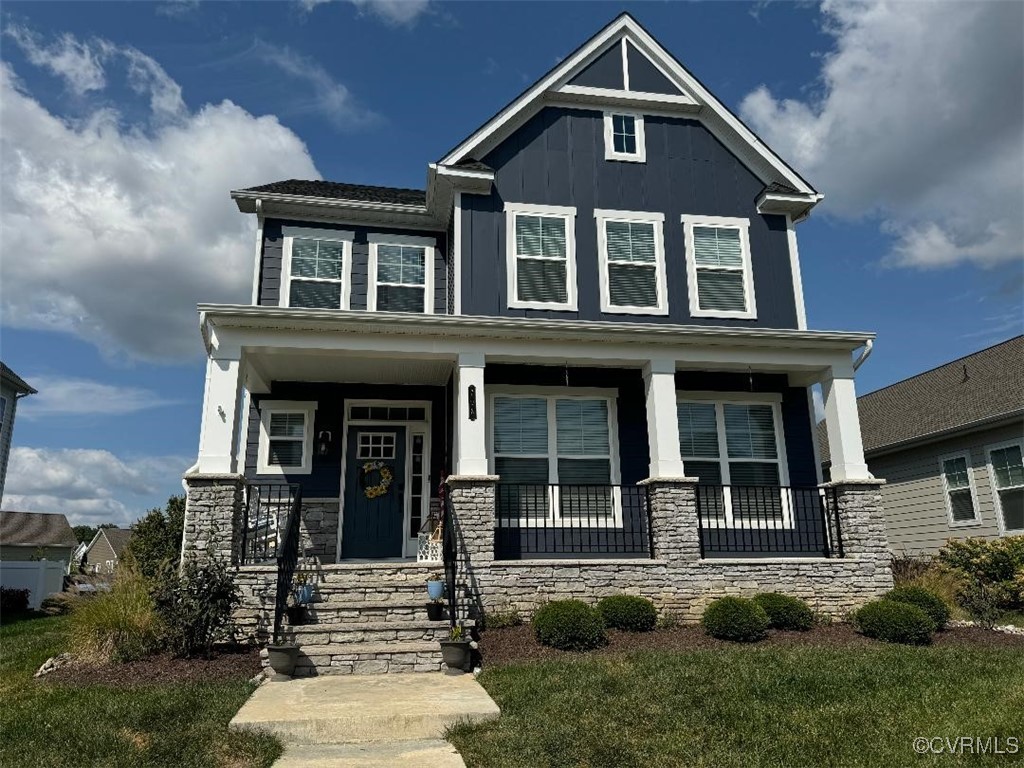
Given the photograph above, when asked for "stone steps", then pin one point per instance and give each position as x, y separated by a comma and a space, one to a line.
345, 633
418, 753
372, 658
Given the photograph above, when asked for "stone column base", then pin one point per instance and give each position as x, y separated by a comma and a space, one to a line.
213, 515
675, 534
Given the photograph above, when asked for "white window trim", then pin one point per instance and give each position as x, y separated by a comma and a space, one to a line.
719, 400
268, 407
526, 209
609, 143
966, 456
996, 499
428, 244
344, 237
743, 225
603, 216
552, 396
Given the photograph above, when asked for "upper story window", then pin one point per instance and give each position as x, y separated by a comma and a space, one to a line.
401, 274
959, 488
624, 137
1006, 469
541, 251
317, 271
286, 437
631, 249
718, 267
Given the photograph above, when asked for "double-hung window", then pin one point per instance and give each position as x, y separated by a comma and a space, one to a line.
624, 137
286, 437
958, 485
401, 274
631, 248
556, 460
1006, 468
541, 247
738, 448
718, 267
317, 270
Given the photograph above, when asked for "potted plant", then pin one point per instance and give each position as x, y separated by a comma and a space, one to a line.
435, 586
282, 658
435, 610
456, 651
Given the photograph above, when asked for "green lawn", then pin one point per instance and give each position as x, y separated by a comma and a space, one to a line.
749, 706
42, 724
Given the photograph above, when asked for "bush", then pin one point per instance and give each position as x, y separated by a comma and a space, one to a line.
13, 601
895, 622
60, 604
570, 625
502, 619
195, 605
785, 612
979, 602
997, 563
156, 538
735, 618
633, 614
928, 602
118, 625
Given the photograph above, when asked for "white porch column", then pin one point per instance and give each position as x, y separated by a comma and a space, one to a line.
470, 407
662, 419
222, 403
842, 422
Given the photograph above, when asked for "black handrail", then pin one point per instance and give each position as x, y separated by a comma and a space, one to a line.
287, 559
264, 519
449, 554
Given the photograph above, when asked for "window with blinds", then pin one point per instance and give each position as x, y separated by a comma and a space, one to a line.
718, 265
316, 273
959, 488
541, 259
286, 432
1007, 467
401, 278
633, 262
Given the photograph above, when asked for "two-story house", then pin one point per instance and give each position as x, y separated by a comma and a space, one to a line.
583, 345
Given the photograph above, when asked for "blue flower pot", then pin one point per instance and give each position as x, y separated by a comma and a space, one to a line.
304, 594
435, 589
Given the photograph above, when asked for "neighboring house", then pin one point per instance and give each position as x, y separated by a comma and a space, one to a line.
104, 551
590, 324
35, 536
949, 444
12, 389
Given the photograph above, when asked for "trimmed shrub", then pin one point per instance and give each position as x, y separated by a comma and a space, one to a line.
894, 622
195, 605
997, 563
120, 624
785, 612
570, 625
13, 601
928, 602
633, 614
735, 618
502, 619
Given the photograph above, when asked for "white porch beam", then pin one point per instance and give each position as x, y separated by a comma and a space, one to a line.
222, 404
842, 422
470, 432
662, 421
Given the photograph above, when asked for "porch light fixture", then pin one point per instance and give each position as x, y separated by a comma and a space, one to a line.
323, 443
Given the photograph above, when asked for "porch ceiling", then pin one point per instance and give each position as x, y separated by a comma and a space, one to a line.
341, 369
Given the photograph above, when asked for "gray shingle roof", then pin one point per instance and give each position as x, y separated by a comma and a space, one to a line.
35, 529
339, 191
984, 385
118, 538
15, 380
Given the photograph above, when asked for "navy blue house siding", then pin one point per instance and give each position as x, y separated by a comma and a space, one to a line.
557, 158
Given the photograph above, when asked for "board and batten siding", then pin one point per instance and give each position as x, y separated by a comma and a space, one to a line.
916, 517
271, 262
558, 158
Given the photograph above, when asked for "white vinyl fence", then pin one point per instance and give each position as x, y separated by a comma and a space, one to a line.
40, 577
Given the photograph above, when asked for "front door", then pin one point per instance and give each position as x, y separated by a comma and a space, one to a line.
374, 513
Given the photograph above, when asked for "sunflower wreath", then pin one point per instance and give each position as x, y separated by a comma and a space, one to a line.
386, 476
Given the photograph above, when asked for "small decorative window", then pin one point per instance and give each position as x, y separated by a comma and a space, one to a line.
718, 267
400, 275
286, 437
542, 264
632, 253
376, 445
961, 502
315, 272
1006, 468
624, 137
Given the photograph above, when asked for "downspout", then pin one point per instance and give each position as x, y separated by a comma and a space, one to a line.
868, 346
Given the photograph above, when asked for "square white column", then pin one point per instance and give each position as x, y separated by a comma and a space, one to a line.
842, 423
222, 403
662, 419
470, 412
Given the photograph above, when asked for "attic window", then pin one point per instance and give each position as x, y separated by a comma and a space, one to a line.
624, 137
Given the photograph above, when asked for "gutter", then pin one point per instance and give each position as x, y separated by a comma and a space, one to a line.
1007, 418
868, 346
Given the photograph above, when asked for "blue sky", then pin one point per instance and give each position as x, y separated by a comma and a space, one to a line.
125, 126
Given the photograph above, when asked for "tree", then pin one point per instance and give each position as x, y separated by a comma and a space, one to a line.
156, 538
86, 533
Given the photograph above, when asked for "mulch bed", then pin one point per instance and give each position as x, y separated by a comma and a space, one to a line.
517, 644
226, 663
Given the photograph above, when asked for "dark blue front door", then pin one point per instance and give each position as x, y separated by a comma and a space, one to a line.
374, 513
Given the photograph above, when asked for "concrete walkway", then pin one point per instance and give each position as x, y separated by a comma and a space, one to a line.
356, 720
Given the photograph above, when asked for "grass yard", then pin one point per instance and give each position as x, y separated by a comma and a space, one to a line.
51, 724
749, 706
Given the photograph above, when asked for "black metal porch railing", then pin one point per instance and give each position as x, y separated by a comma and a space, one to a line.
560, 521
449, 554
768, 520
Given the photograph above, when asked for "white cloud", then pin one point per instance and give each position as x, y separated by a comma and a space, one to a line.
69, 396
112, 231
78, 64
397, 13
917, 120
89, 486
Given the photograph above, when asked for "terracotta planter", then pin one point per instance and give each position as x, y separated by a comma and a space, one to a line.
456, 655
435, 611
282, 658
